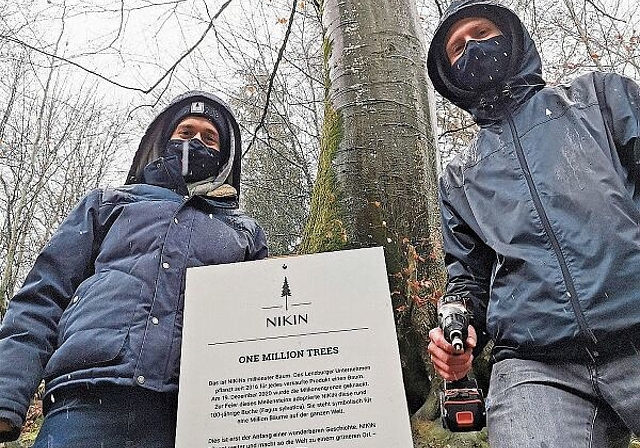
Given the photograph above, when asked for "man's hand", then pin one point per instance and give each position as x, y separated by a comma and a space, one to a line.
448, 364
5, 426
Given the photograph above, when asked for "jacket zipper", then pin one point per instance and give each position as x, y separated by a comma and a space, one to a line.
553, 239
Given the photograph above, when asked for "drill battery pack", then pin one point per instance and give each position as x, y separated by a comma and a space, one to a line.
462, 406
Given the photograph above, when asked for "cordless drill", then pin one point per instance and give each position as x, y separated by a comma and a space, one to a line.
461, 401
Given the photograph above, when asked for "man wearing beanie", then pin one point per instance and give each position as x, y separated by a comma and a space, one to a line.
99, 317
541, 227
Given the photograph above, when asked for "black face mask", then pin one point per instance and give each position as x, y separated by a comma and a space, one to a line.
483, 64
198, 163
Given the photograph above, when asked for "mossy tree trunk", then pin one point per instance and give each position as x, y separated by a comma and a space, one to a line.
376, 183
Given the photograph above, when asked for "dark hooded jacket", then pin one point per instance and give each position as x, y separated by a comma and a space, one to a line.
541, 217
103, 303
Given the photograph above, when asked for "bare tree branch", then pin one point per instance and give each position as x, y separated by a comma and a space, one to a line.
453, 131
604, 13
120, 24
164, 76
272, 77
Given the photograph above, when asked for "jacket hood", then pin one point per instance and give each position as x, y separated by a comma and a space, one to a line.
155, 138
525, 71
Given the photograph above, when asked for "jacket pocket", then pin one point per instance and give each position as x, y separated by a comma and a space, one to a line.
104, 301
86, 349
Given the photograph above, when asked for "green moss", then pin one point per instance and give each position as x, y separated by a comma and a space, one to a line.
432, 435
325, 230
29, 435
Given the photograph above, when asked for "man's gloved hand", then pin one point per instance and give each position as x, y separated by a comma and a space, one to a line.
8, 431
448, 364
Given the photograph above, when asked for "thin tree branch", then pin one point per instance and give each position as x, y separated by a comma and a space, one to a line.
120, 25
272, 77
604, 13
167, 73
453, 131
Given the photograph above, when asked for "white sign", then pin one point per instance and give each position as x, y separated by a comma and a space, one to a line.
292, 352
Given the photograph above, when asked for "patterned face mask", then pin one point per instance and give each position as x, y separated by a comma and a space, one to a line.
197, 161
483, 64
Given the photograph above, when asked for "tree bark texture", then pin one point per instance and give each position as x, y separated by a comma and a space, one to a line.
377, 178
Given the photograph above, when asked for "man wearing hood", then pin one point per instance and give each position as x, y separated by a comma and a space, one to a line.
99, 316
541, 226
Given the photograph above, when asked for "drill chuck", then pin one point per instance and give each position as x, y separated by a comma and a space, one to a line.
453, 318
457, 341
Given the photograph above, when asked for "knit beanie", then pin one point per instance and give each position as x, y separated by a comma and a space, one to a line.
208, 110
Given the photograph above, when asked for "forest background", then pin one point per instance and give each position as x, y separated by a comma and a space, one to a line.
80, 80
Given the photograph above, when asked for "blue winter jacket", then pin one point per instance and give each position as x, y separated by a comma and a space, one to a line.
103, 303
541, 213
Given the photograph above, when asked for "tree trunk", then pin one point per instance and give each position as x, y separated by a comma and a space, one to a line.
376, 183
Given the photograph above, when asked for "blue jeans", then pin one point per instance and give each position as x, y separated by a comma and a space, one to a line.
568, 405
109, 417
